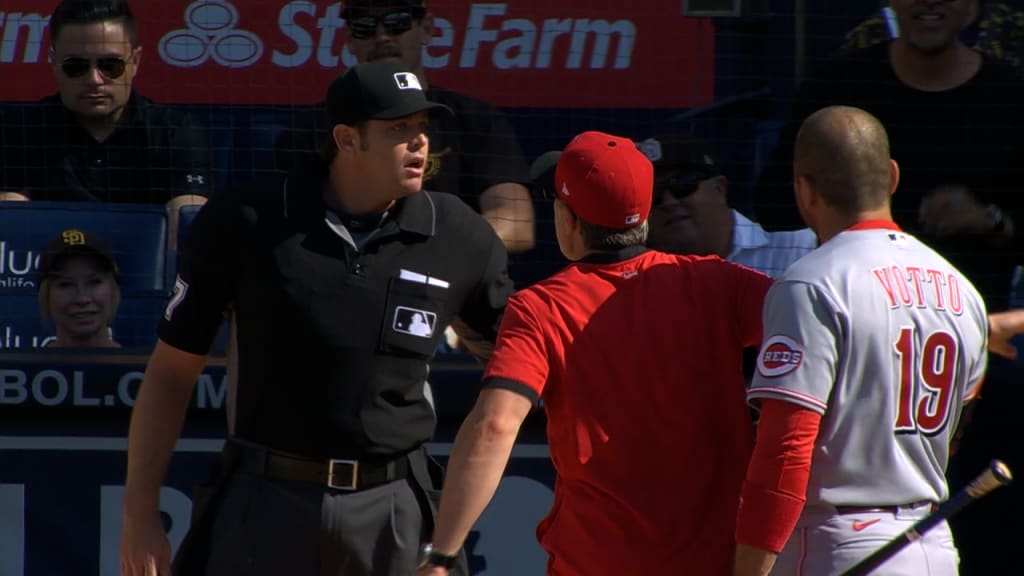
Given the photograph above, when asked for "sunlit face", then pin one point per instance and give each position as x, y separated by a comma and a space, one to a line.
932, 25
391, 41
394, 154
94, 65
682, 220
82, 299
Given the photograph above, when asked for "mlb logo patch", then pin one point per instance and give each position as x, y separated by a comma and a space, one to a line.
407, 81
414, 322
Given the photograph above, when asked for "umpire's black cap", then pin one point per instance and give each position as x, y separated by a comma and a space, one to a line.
382, 90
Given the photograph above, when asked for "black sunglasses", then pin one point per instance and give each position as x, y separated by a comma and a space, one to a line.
394, 23
681, 185
111, 67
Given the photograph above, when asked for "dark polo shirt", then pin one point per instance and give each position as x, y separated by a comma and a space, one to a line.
155, 154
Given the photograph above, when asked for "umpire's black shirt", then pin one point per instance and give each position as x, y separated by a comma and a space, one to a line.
333, 341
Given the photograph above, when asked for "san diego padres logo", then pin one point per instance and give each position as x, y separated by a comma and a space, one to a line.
434, 163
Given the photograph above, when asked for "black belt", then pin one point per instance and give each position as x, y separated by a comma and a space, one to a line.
339, 474
843, 510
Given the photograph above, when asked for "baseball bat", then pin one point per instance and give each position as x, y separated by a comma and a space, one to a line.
996, 475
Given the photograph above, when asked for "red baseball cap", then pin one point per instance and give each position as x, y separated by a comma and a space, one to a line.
605, 180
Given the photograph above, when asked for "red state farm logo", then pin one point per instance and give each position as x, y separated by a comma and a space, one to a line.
779, 355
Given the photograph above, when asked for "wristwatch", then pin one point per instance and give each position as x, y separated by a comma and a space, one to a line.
432, 557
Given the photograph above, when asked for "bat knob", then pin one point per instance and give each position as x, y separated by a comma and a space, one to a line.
1001, 472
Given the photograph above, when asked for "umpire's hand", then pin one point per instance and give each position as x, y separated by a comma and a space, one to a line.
432, 571
145, 550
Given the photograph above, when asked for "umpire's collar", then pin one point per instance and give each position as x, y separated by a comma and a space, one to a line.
417, 214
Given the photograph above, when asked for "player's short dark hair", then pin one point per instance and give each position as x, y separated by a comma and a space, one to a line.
72, 12
844, 152
610, 239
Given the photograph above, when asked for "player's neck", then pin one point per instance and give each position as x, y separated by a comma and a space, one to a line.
835, 225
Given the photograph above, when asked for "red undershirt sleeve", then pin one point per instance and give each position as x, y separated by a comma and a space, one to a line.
775, 490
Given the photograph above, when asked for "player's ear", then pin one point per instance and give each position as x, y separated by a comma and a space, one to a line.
894, 176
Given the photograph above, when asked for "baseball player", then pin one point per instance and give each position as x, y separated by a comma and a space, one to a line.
873, 344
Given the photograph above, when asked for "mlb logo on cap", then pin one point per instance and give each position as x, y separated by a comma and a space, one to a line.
407, 81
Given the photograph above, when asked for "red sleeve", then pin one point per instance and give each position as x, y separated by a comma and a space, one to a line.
775, 490
520, 353
751, 288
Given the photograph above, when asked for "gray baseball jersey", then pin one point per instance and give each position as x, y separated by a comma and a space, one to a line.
885, 339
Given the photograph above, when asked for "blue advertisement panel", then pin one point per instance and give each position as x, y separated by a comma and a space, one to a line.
63, 451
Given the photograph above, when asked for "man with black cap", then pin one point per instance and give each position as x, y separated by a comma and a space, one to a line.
690, 211
326, 274
647, 423
475, 153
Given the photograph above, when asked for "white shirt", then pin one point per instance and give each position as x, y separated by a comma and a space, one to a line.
768, 252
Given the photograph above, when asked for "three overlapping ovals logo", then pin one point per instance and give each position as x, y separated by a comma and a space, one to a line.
210, 32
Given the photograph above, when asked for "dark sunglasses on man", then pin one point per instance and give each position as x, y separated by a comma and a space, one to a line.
681, 185
111, 67
394, 23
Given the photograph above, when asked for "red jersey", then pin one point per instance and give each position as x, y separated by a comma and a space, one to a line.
639, 362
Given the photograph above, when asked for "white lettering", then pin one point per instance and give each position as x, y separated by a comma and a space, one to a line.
62, 388
210, 395
477, 33
329, 24
297, 34
127, 387
521, 46
12, 387
12, 526
437, 54
9, 260
553, 28
35, 24
602, 31
78, 385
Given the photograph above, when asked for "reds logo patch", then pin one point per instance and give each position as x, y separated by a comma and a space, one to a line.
779, 355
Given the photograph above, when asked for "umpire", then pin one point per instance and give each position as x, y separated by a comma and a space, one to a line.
330, 277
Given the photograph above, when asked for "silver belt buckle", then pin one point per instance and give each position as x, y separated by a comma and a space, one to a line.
349, 478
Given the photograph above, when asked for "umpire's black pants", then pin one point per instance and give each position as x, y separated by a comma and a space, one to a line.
274, 527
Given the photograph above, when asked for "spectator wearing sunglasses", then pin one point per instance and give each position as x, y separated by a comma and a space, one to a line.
690, 212
691, 215
97, 140
475, 154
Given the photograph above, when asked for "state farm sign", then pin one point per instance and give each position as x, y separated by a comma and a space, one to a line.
571, 53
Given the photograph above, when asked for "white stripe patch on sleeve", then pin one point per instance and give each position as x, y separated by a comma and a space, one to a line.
779, 355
